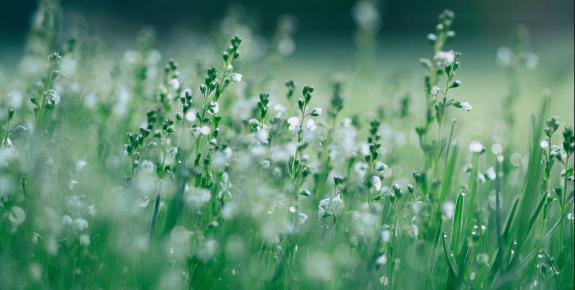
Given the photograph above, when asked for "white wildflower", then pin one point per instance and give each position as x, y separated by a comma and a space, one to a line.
364, 149
191, 116
448, 209
265, 164
490, 173
235, 77
85, 240
15, 99
148, 166
154, 56
67, 220
360, 169
331, 206
504, 56
196, 198
435, 90
316, 112
481, 178
386, 236
544, 144
445, 57
366, 15
476, 147
17, 215
302, 217
413, 231
466, 106
376, 182
482, 258
293, 123
204, 130
131, 56
72, 184
497, 148
80, 165
53, 97
207, 250
381, 260
143, 200
91, 210
310, 125
174, 84
286, 46
262, 135
214, 108
80, 224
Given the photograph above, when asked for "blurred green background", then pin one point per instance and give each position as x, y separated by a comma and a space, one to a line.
323, 17
326, 31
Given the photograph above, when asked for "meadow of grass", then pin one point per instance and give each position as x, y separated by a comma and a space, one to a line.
223, 161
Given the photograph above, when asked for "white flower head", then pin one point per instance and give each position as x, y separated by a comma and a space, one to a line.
186, 92
148, 166
364, 149
445, 57
481, 178
85, 239
491, 174
191, 116
413, 231
72, 184
293, 124
376, 183
207, 250
196, 198
80, 165
360, 169
504, 56
381, 260
366, 15
435, 90
262, 135
80, 224
91, 210
386, 236
544, 144
476, 147
67, 220
235, 77
15, 99
174, 84
448, 209
316, 112
53, 97
302, 218
310, 125
213, 107
466, 106
154, 57
331, 206
17, 215
204, 130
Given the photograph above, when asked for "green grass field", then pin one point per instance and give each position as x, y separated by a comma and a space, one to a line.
222, 161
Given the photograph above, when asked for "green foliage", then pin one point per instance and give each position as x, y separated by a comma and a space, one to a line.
133, 175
